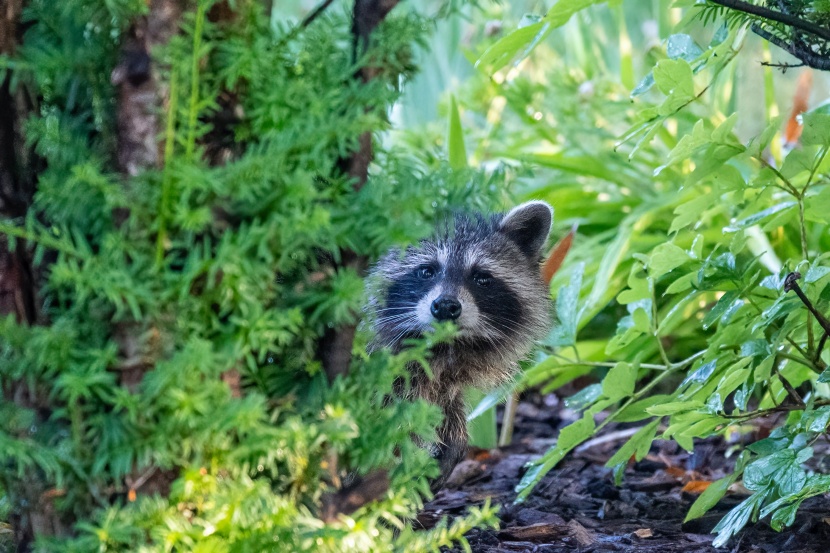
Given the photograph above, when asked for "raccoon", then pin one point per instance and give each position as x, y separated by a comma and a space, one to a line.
482, 272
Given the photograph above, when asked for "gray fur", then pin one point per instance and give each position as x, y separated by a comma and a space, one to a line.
489, 264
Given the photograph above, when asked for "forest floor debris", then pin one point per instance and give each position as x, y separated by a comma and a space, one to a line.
577, 507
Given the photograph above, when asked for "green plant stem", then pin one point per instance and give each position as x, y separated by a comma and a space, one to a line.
801, 361
166, 179
193, 108
508, 420
765, 412
789, 186
42, 239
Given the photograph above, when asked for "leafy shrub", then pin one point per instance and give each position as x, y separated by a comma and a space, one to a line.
674, 295
170, 396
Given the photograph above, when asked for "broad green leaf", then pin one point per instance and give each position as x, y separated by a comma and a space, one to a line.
488, 401
816, 129
482, 427
575, 433
515, 46
682, 46
816, 273
738, 517
567, 310
724, 303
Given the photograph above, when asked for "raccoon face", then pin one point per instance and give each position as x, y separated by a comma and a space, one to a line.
481, 272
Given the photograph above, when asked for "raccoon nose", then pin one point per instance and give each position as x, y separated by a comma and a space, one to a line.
445, 309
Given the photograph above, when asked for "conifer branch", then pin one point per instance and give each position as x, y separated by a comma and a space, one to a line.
335, 346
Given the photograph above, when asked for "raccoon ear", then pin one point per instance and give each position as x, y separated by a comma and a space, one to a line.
528, 226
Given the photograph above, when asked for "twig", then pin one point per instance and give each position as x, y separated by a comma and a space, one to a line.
783, 66
791, 283
820, 347
790, 390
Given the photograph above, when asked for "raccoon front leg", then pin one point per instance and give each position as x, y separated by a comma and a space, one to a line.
452, 438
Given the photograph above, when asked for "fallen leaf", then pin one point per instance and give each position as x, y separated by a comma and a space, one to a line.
696, 486
557, 256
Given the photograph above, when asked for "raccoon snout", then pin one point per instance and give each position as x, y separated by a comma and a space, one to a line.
445, 309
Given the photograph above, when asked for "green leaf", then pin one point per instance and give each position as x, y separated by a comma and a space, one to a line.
575, 433
690, 212
758, 217
637, 411
567, 312
738, 517
674, 78
482, 428
457, 153
638, 445
620, 381
816, 273
517, 45
488, 401
709, 498
816, 129
665, 258
725, 302
682, 46
584, 397
674, 407
508, 48
569, 437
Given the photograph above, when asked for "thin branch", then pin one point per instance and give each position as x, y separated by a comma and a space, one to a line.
783, 66
315, 13
791, 283
766, 13
819, 349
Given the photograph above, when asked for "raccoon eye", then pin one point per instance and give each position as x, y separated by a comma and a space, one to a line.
482, 279
425, 273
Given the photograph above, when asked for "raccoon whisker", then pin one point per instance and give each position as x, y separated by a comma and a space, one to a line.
394, 318
402, 307
517, 325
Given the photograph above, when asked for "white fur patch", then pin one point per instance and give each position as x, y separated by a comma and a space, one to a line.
423, 310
